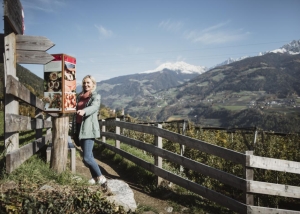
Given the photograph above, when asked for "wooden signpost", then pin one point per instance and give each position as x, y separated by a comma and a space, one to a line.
13, 17
15, 47
18, 48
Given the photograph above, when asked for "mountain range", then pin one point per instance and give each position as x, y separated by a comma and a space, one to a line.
291, 48
119, 91
267, 84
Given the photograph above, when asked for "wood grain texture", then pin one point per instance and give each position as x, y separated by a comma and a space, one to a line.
11, 104
17, 123
267, 210
14, 87
274, 189
13, 15
15, 158
59, 151
274, 164
33, 57
33, 43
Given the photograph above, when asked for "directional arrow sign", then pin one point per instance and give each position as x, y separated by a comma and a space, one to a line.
31, 49
33, 57
33, 43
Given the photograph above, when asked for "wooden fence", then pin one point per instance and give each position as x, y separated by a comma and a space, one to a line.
30, 50
248, 161
15, 123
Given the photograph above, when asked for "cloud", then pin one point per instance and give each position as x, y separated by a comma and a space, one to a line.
104, 33
43, 5
168, 25
217, 26
36, 7
136, 49
216, 34
180, 58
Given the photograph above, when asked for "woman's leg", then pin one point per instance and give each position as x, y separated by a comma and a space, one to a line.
88, 157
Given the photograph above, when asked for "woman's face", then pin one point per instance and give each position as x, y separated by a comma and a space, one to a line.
87, 84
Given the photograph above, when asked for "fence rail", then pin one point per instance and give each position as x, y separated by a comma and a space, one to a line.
248, 161
15, 123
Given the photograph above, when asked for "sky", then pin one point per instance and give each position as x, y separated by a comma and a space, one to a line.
111, 38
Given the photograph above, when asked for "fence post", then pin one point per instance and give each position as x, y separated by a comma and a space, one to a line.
249, 175
48, 118
123, 118
118, 133
255, 138
39, 132
103, 129
181, 146
157, 159
11, 105
59, 150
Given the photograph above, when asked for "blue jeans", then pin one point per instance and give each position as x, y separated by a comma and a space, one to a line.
88, 157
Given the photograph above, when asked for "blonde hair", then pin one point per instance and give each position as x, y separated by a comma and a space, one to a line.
93, 81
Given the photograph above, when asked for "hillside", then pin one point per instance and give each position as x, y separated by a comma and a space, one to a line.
29, 79
264, 87
119, 91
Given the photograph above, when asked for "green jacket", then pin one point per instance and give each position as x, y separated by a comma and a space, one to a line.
90, 124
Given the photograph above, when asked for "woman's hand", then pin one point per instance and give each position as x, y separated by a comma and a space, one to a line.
80, 112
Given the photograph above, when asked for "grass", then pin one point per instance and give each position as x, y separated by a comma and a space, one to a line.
70, 194
36, 171
21, 193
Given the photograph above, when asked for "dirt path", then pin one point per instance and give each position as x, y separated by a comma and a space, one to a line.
112, 171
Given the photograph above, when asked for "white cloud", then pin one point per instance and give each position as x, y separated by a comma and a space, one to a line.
216, 34
104, 33
136, 50
92, 60
180, 58
171, 26
37, 7
43, 5
217, 26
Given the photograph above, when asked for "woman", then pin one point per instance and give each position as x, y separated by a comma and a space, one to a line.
88, 104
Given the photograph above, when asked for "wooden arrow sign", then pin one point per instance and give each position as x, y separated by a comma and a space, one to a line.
31, 49
33, 57
33, 43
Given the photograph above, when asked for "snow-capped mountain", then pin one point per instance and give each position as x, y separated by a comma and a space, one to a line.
180, 67
291, 48
230, 60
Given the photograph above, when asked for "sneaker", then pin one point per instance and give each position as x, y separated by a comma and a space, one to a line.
102, 180
92, 181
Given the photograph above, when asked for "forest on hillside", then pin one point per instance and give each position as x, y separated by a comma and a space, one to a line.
29, 79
